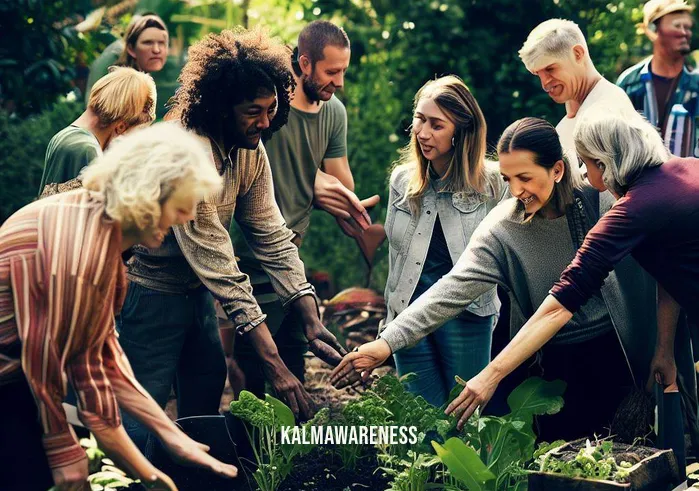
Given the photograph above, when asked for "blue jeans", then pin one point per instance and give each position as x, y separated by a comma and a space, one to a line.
172, 339
460, 347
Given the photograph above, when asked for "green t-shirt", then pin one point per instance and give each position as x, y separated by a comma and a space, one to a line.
165, 80
297, 151
69, 150
295, 154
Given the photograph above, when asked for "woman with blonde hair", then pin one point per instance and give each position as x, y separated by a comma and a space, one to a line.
440, 191
61, 282
122, 100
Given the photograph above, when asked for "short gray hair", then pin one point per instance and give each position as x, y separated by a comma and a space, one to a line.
626, 144
555, 38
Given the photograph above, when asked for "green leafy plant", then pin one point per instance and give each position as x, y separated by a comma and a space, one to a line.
411, 474
263, 420
501, 445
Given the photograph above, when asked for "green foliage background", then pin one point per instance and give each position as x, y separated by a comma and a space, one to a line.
397, 45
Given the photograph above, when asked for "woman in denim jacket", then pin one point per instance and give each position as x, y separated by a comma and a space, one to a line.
440, 191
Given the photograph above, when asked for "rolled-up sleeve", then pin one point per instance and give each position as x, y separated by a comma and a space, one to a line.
614, 236
265, 231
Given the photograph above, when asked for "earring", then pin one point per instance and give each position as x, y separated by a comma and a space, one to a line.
453, 144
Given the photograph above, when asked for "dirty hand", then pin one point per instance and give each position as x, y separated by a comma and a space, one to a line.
290, 389
363, 360
476, 394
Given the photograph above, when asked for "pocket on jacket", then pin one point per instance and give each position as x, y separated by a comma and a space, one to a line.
399, 224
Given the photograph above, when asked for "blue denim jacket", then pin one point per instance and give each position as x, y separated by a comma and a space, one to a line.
409, 235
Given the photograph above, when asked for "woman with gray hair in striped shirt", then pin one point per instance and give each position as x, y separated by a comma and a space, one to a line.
61, 282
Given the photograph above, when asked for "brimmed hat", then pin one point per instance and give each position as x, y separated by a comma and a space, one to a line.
655, 9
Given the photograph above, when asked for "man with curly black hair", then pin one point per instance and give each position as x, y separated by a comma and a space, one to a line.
235, 87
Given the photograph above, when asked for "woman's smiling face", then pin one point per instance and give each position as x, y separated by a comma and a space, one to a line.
529, 182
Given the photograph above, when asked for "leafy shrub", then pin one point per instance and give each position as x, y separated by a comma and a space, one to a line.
22, 151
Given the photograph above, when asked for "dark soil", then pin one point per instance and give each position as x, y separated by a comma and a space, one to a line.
321, 470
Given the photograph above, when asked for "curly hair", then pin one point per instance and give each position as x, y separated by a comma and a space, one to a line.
225, 69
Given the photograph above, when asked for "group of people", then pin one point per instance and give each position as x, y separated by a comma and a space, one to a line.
166, 256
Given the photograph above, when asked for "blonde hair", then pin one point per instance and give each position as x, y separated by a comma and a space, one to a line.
466, 169
625, 143
141, 170
554, 38
124, 94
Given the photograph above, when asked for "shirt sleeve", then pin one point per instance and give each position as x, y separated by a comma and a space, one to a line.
337, 147
41, 363
264, 229
476, 271
206, 244
614, 236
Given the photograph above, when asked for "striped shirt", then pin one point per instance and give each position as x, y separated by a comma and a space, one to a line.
61, 279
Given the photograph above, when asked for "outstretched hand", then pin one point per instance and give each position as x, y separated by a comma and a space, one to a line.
476, 394
187, 451
363, 360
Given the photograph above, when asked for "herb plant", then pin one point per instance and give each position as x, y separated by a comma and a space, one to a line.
595, 461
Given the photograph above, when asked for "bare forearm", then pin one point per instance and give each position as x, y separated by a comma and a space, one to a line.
668, 313
119, 447
549, 318
264, 344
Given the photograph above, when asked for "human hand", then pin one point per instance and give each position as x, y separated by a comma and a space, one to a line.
186, 451
662, 369
332, 196
290, 389
363, 360
71, 477
476, 394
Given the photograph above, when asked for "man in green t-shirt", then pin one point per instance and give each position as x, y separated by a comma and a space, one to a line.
310, 168
122, 100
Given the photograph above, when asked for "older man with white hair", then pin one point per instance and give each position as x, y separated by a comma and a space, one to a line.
556, 52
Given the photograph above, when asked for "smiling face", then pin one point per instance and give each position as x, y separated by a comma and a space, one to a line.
320, 81
150, 50
250, 119
560, 78
176, 210
531, 183
675, 32
433, 130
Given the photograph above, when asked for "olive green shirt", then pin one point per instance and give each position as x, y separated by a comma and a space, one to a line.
68, 152
296, 152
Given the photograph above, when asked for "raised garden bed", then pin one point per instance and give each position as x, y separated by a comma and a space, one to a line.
650, 470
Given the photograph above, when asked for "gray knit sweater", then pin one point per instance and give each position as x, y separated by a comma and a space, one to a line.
522, 258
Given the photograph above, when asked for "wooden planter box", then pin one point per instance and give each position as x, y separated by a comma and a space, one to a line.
657, 471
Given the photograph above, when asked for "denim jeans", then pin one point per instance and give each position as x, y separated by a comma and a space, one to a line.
172, 339
460, 347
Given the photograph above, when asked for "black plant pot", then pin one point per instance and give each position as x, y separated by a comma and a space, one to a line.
226, 437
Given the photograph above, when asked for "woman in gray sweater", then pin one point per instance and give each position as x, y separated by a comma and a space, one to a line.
523, 245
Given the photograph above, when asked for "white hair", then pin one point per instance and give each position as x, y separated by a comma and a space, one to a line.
552, 38
141, 170
624, 143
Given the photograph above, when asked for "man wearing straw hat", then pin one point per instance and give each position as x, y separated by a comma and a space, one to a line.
662, 87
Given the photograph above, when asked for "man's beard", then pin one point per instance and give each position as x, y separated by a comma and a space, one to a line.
685, 51
311, 89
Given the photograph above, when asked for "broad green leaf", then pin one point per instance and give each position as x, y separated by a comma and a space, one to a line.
464, 464
536, 396
282, 413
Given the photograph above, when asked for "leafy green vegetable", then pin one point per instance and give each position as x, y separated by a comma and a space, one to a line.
595, 461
